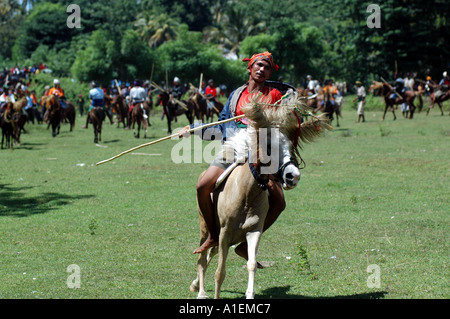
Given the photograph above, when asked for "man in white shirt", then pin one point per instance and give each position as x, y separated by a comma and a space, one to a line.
7, 96
138, 96
361, 97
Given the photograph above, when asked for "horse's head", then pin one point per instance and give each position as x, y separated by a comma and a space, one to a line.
52, 102
275, 134
20, 104
162, 98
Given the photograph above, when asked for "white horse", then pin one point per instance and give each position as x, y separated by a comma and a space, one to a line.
241, 201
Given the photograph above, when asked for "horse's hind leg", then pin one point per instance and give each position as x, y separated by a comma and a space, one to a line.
252, 242
95, 134
198, 285
440, 108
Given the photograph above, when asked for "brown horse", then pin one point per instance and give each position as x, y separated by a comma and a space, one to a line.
56, 114
120, 107
439, 100
204, 107
137, 116
97, 117
200, 109
241, 201
386, 90
172, 109
53, 114
20, 117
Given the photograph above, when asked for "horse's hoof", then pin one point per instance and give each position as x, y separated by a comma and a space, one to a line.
193, 288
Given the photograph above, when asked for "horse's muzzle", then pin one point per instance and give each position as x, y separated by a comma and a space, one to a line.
291, 177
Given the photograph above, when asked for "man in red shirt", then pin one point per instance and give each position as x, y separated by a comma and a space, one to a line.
260, 67
210, 94
211, 89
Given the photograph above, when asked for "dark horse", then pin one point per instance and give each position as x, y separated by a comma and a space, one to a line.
97, 116
173, 109
56, 114
331, 109
7, 125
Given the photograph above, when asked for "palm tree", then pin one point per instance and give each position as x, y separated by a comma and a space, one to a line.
157, 29
233, 25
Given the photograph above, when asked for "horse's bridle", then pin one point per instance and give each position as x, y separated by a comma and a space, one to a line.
280, 172
264, 181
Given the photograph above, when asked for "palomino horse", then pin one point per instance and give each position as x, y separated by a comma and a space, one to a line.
438, 100
97, 116
173, 109
241, 200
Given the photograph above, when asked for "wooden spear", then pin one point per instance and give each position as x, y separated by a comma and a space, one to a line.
170, 137
118, 87
183, 105
391, 87
200, 92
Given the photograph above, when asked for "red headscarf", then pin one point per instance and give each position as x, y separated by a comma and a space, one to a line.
267, 56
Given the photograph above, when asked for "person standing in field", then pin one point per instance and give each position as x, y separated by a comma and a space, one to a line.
361, 97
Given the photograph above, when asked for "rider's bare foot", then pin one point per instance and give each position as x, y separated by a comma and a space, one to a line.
209, 243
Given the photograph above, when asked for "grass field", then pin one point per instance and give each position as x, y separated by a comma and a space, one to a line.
374, 193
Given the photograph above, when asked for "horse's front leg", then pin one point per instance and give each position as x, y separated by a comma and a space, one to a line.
252, 243
221, 271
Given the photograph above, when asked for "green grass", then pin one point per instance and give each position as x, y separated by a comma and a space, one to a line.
131, 225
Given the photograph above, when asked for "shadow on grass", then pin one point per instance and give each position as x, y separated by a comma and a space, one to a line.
15, 203
282, 293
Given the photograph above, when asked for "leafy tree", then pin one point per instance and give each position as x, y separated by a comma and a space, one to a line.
187, 57
95, 62
45, 25
157, 29
10, 22
136, 56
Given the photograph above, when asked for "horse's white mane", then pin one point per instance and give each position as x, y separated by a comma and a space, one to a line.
290, 115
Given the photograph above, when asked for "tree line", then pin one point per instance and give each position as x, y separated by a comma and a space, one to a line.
128, 39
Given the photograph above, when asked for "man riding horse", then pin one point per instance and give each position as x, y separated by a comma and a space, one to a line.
138, 95
441, 93
97, 98
260, 67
